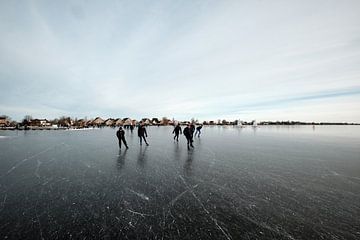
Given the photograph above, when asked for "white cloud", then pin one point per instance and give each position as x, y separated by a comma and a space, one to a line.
182, 59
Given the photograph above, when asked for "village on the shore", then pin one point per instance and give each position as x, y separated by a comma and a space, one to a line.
29, 123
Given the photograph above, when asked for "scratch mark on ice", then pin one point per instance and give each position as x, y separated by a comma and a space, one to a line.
26, 159
207, 212
138, 213
142, 196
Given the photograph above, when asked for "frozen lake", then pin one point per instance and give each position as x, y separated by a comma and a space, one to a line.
273, 182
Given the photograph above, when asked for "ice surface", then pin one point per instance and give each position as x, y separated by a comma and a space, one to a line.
250, 183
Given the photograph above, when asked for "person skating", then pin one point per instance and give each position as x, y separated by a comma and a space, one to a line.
192, 128
121, 137
188, 133
198, 131
177, 130
142, 133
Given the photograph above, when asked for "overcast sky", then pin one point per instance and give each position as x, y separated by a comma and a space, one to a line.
264, 60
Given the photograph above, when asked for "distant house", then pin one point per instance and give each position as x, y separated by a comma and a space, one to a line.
40, 123
134, 122
146, 121
98, 122
224, 122
4, 121
185, 123
127, 121
81, 123
109, 122
119, 122
89, 123
155, 121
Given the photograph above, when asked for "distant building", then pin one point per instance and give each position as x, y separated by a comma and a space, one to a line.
127, 121
109, 122
98, 122
119, 122
81, 123
185, 122
4, 121
155, 121
134, 122
224, 122
88, 123
40, 123
146, 121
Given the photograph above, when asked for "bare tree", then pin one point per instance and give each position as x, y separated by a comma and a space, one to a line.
64, 121
27, 119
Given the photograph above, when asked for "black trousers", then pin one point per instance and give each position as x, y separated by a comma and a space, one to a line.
124, 141
176, 136
198, 132
189, 141
141, 138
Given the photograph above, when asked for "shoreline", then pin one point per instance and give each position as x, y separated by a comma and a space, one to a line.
91, 128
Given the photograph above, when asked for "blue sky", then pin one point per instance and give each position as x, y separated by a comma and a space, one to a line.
264, 60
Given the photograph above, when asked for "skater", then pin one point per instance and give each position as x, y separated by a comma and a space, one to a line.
131, 128
198, 130
121, 136
177, 130
188, 133
142, 133
192, 128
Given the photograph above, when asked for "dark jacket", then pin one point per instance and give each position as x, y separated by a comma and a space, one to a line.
192, 128
187, 132
142, 131
120, 134
177, 130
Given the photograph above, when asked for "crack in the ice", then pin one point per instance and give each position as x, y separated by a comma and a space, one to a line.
138, 213
37, 217
37, 168
3, 203
142, 196
26, 159
228, 236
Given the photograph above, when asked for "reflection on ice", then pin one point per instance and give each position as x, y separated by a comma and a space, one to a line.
121, 158
141, 160
188, 163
